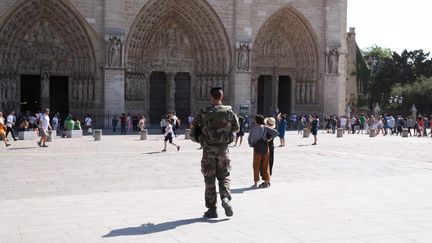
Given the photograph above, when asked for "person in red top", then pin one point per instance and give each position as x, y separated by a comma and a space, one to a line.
420, 125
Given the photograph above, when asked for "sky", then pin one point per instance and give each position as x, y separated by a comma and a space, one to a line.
394, 24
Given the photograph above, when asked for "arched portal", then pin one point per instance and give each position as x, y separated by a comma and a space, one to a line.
45, 45
285, 53
177, 37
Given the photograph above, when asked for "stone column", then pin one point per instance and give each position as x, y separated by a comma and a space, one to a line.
275, 98
171, 86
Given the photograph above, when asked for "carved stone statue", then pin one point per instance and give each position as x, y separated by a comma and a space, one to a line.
115, 51
297, 93
45, 85
253, 90
333, 61
243, 58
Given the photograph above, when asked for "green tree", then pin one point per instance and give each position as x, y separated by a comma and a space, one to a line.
418, 92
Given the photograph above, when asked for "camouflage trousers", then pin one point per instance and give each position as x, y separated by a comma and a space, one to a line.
215, 164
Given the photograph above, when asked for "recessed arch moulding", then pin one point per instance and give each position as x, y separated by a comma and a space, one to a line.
176, 36
286, 45
49, 38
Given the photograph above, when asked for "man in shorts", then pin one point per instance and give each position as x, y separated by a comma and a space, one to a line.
44, 126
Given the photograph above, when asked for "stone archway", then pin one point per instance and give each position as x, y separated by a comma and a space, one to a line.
176, 37
286, 46
47, 39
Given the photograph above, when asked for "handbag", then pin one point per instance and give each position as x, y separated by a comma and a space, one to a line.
261, 145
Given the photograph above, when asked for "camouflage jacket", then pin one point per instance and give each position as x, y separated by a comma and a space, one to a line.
217, 123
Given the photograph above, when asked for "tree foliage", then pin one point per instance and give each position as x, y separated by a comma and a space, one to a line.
393, 73
418, 93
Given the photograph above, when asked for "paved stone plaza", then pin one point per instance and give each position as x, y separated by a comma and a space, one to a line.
350, 189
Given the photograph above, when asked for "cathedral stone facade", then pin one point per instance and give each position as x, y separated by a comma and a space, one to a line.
106, 57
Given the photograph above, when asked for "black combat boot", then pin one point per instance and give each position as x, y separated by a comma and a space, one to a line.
211, 213
227, 206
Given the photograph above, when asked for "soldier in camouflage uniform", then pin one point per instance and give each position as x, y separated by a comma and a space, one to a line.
217, 124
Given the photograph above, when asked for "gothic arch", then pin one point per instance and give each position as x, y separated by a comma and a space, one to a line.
286, 44
180, 36
48, 37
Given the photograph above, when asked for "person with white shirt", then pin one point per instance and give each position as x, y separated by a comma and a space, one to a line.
169, 135
88, 124
343, 123
10, 123
44, 126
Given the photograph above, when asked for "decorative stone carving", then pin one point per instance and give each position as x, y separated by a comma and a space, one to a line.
243, 58
135, 86
333, 61
115, 52
313, 93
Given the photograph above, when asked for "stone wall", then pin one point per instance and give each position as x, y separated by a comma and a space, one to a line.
324, 21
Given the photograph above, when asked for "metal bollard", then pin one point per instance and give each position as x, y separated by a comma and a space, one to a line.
306, 133
50, 136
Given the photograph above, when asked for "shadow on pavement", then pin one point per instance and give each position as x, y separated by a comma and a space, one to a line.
23, 148
151, 228
154, 152
242, 190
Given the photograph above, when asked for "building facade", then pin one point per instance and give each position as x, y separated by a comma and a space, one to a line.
106, 57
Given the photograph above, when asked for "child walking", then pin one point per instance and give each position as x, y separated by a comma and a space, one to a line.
169, 135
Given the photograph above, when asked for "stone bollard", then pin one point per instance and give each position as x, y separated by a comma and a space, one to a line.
143, 134
340, 132
372, 133
97, 134
187, 134
405, 132
306, 133
51, 135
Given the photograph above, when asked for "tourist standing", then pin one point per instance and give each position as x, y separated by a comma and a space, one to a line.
258, 139
282, 126
362, 121
55, 122
353, 124
123, 124
10, 123
44, 126
88, 124
240, 133
271, 123
129, 122
314, 128
217, 124
114, 123
141, 124
190, 120
3, 130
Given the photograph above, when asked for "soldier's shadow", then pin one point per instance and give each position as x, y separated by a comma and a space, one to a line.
151, 228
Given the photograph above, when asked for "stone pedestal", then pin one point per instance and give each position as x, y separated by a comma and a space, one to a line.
74, 133
340, 132
97, 134
306, 133
143, 134
187, 134
372, 133
51, 135
405, 132
27, 135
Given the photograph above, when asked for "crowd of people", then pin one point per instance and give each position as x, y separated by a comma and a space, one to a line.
40, 123
384, 125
